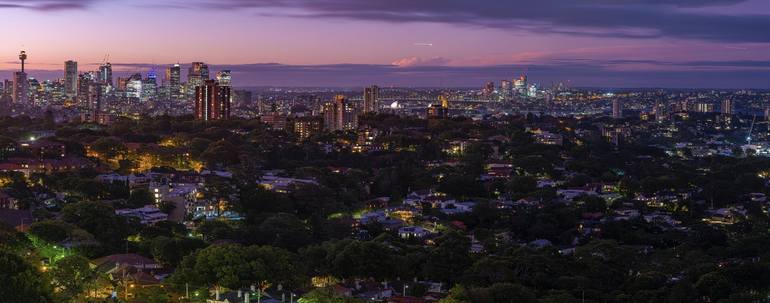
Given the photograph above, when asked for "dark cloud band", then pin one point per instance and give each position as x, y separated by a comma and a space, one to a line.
606, 18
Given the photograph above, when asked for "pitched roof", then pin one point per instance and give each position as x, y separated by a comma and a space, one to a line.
127, 259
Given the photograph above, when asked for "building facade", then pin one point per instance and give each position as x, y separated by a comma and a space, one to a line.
212, 101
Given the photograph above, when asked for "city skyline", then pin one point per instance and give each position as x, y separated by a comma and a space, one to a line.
639, 43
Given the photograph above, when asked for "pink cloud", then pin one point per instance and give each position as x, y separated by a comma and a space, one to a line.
417, 61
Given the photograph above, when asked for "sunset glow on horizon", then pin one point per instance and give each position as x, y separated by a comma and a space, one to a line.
401, 34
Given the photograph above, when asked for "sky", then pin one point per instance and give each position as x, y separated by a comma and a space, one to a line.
432, 43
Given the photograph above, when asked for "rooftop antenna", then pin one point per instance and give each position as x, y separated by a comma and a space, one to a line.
22, 57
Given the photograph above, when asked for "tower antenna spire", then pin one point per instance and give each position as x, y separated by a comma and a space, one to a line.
22, 57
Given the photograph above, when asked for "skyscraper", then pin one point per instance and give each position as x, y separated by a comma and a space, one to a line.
150, 86
134, 87
95, 97
196, 75
489, 89
371, 99
71, 79
105, 73
83, 88
224, 78
339, 115
212, 101
200, 70
20, 84
520, 85
617, 109
506, 90
173, 81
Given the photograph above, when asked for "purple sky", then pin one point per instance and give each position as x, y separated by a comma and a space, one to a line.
617, 43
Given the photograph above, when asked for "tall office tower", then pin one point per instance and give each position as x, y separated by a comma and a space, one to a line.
488, 89
198, 69
20, 88
727, 107
339, 115
134, 86
94, 103
225, 78
196, 75
371, 99
84, 82
7, 87
617, 109
150, 87
71, 79
121, 84
35, 93
520, 85
506, 90
20, 83
105, 73
212, 101
173, 82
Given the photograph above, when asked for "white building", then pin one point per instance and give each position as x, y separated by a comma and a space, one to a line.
147, 215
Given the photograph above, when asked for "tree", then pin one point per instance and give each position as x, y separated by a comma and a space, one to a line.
714, 285
462, 186
357, 259
20, 282
170, 251
326, 295
52, 231
285, 231
458, 294
279, 267
11, 239
449, 259
154, 294
235, 266
98, 219
198, 146
215, 230
216, 265
140, 197
505, 292
220, 154
522, 184
489, 270
71, 275
108, 148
